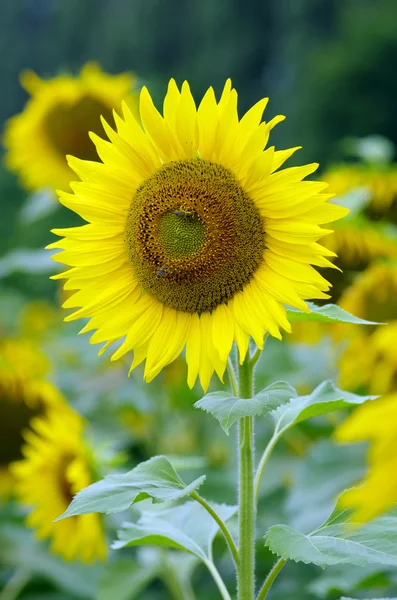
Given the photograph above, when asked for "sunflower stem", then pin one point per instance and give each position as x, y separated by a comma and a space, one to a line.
270, 579
15, 584
247, 512
221, 524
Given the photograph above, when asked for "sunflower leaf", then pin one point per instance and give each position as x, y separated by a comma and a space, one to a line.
228, 409
338, 542
329, 313
188, 527
155, 479
324, 399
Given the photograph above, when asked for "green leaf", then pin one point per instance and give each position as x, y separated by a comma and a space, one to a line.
188, 527
324, 399
228, 409
339, 542
329, 313
155, 479
345, 598
325, 471
348, 578
124, 580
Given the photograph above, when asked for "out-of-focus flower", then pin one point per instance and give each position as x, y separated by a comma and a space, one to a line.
56, 465
195, 238
380, 180
57, 120
24, 393
375, 422
370, 358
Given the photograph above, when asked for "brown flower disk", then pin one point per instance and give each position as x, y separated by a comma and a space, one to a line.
194, 238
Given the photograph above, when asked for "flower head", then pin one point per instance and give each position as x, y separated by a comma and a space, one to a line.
56, 122
381, 181
24, 394
56, 465
375, 422
194, 237
370, 359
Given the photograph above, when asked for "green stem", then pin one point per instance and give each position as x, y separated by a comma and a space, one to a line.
262, 464
232, 377
270, 579
246, 571
15, 584
218, 580
222, 526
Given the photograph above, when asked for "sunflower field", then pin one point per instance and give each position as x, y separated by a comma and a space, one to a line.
198, 301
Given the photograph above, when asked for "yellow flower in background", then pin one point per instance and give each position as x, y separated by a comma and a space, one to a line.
194, 238
358, 244
24, 393
373, 294
56, 122
56, 465
375, 422
380, 181
370, 358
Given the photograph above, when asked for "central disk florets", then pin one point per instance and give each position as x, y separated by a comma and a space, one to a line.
193, 236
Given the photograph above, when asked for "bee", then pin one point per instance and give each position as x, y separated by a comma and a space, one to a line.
161, 272
188, 215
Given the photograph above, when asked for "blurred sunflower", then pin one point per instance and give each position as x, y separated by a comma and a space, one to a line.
194, 237
357, 243
24, 393
378, 492
380, 180
370, 358
57, 465
56, 122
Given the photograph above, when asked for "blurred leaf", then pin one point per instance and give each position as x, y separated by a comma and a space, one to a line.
370, 149
326, 470
38, 205
345, 598
188, 527
324, 399
355, 200
329, 313
125, 580
26, 261
156, 478
228, 409
338, 541
346, 578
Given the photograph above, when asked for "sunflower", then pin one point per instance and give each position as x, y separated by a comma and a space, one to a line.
24, 393
194, 238
57, 465
370, 358
375, 422
381, 181
357, 243
56, 122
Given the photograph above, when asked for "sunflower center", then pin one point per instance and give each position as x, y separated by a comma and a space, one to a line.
64, 484
67, 127
194, 238
15, 417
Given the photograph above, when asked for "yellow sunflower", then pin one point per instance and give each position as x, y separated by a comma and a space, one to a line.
56, 122
56, 465
375, 422
24, 393
194, 237
380, 181
370, 358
